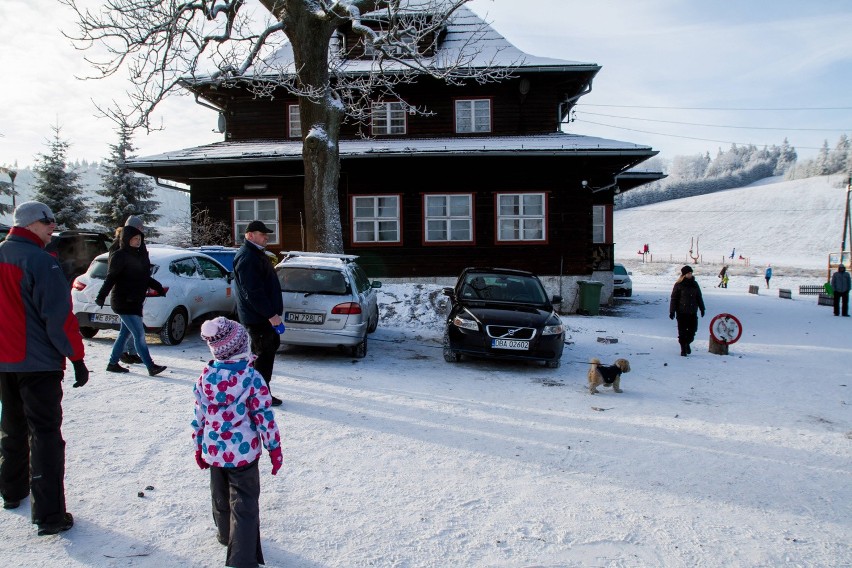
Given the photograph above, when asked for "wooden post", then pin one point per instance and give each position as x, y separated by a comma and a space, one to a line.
718, 348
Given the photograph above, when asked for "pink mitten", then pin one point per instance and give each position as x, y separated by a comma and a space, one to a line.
277, 459
200, 461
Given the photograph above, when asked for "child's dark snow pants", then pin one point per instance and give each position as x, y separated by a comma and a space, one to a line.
235, 492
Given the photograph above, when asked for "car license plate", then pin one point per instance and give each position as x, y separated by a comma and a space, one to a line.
106, 318
510, 344
298, 317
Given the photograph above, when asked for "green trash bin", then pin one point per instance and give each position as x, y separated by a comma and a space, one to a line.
590, 297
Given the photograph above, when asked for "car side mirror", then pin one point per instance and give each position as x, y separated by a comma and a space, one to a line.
556, 300
451, 292
629, 273
230, 277
375, 284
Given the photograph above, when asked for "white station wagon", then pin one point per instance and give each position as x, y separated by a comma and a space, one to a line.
328, 301
198, 287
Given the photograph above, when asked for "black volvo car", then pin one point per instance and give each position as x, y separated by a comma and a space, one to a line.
502, 313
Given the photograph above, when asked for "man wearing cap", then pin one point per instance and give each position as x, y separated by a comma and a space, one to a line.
259, 303
685, 302
38, 333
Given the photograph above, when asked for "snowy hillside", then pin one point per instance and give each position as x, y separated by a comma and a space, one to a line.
174, 205
798, 221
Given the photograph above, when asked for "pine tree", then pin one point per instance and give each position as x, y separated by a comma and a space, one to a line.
58, 186
821, 165
127, 193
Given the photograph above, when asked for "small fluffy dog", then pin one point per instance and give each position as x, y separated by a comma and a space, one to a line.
607, 375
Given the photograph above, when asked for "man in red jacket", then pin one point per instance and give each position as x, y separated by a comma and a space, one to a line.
38, 334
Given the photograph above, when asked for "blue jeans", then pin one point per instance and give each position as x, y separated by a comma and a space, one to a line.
131, 325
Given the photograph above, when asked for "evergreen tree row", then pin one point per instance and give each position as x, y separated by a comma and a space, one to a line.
688, 176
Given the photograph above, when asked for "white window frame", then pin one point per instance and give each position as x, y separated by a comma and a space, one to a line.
374, 218
450, 221
518, 220
598, 223
294, 122
477, 119
383, 116
261, 209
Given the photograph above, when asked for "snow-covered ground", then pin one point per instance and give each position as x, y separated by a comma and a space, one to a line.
403, 460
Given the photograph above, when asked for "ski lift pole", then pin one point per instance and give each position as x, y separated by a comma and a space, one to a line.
847, 222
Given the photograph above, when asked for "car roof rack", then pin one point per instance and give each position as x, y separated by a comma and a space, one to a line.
345, 258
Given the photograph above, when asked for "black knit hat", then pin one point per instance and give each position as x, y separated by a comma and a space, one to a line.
686, 270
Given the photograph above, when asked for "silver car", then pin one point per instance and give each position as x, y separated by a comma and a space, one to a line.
622, 284
328, 301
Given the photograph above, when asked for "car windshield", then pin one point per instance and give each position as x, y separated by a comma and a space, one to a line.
502, 287
619, 269
312, 280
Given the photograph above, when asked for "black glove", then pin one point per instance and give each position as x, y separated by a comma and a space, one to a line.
99, 302
702, 313
81, 373
671, 316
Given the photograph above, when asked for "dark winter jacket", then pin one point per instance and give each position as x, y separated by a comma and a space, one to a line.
39, 330
257, 286
128, 277
840, 280
686, 297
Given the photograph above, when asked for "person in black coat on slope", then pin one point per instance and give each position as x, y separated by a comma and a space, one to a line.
685, 303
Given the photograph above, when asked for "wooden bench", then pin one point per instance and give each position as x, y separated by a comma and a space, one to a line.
752, 289
811, 289
785, 293
825, 300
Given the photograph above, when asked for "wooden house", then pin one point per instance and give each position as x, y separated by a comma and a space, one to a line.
488, 178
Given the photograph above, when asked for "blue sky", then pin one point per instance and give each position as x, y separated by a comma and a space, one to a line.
683, 77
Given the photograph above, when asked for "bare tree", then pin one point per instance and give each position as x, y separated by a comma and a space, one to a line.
164, 45
201, 229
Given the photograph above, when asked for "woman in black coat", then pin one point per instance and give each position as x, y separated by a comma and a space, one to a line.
128, 278
686, 301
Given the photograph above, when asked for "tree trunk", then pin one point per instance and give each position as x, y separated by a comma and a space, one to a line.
320, 119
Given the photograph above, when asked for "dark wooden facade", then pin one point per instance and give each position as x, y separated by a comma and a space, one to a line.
259, 160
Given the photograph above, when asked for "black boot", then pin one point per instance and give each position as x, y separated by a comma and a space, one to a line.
688, 349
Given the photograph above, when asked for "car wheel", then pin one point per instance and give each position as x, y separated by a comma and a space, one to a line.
450, 355
360, 350
174, 330
88, 332
373, 324
553, 363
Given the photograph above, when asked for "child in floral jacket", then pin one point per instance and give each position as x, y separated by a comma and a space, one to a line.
233, 417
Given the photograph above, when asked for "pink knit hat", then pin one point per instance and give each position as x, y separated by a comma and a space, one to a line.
227, 339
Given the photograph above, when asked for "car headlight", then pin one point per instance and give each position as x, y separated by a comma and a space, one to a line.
465, 323
553, 329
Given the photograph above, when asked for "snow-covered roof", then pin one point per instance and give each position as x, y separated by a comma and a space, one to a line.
557, 143
481, 44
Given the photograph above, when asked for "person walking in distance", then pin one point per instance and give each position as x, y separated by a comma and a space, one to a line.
259, 302
768, 274
127, 281
233, 419
39, 332
723, 277
840, 284
686, 300
130, 356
